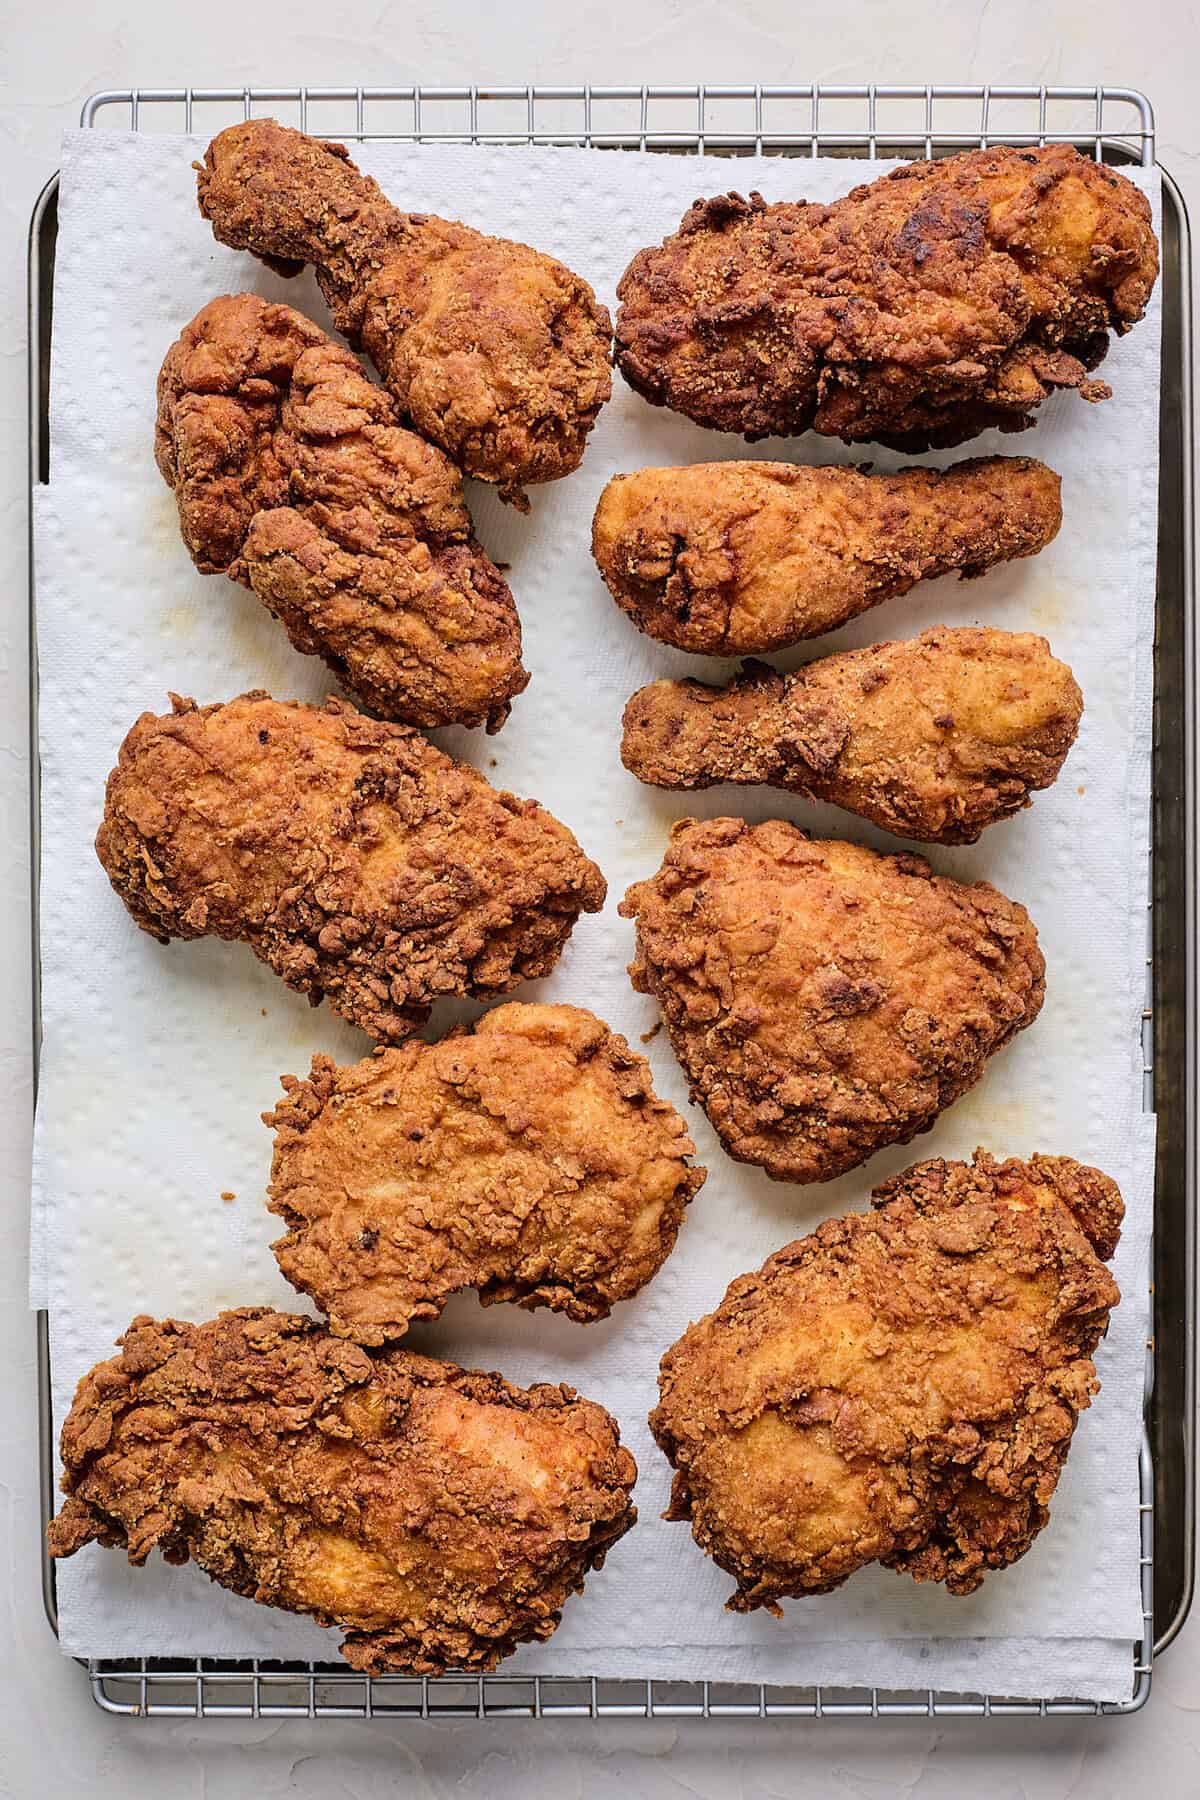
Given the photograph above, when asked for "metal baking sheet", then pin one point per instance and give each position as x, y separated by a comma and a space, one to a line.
1114, 124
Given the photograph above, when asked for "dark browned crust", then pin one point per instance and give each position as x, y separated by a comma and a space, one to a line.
942, 299
293, 476
824, 1000
495, 352
303, 1472
934, 739
360, 863
528, 1158
901, 1386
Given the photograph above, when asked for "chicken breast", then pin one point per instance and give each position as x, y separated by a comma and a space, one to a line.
358, 862
824, 1000
438, 1516
946, 297
901, 1386
933, 739
736, 558
529, 1158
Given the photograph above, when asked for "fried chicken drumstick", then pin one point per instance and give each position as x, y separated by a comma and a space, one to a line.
933, 739
529, 1158
824, 1000
901, 1386
946, 297
494, 352
438, 1516
293, 476
357, 861
735, 558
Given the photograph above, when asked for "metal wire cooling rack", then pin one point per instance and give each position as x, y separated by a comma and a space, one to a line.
1115, 125
816, 120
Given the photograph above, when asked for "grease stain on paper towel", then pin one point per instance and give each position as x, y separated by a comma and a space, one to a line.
159, 522
1004, 1128
1052, 606
178, 621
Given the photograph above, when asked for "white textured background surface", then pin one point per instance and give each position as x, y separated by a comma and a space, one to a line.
52, 1741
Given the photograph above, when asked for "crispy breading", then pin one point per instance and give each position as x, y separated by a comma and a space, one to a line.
494, 352
901, 1386
293, 476
529, 1158
735, 558
920, 309
359, 862
438, 1516
822, 999
933, 739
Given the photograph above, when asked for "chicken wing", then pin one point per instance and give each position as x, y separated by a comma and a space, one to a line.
932, 739
734, 558
944, 298
293, 476
901, 1386
495, 352
438, 1516
357, 861
529, 1158
824, 1000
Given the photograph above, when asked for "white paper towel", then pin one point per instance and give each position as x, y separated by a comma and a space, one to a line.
157, 1062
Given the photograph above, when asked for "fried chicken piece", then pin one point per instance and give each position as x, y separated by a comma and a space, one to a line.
358, 862
899, 1387
734, 558
822, 999
496, 353
943, 298
294, 477
529, 1158
438, 1516
932, 739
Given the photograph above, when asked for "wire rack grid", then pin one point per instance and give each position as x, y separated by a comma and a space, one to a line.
1114, 124
816, 120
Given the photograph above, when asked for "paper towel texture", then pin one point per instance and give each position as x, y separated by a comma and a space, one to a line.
157, 1062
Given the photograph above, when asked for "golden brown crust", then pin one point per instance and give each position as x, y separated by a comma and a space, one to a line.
943, 298
293, 476
901, 1386
529, 1158
494, 351
359, 862
933, 739
438, 1516
824, 1000
736, 558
